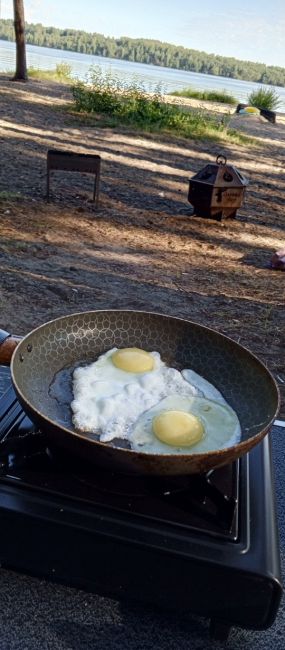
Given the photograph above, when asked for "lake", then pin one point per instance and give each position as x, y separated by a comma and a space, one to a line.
168, 79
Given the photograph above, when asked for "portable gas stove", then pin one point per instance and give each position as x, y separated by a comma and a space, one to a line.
202, 544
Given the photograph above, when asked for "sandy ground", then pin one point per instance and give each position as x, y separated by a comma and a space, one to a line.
141, 249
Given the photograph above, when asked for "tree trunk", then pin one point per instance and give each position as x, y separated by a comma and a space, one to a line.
19, 26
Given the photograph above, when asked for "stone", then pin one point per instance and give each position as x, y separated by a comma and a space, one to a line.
278, 260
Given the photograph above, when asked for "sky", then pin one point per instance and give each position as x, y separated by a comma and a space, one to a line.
252, 30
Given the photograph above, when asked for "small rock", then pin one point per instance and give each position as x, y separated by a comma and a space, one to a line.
278, 260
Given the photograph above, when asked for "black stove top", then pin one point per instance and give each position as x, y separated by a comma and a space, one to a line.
211, 540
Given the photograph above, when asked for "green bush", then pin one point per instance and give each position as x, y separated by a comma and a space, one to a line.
88, 100
206, 95
99, 94
266, 98
63, 71
105, 94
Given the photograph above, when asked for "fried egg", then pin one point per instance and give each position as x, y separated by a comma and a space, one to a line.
178, 424
118, 395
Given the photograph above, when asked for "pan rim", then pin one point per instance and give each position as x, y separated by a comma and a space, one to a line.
242, 446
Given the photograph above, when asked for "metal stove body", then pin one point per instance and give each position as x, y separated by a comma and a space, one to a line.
206, 545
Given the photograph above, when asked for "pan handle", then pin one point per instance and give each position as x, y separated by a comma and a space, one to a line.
8, 343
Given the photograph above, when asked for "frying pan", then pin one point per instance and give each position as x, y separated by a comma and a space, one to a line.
43, 362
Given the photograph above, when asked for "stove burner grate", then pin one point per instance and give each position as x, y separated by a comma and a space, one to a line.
215, 535
206, 504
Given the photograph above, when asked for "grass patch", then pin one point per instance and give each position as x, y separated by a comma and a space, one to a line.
61, 74
205, 95
108, 99
266, 98
6, 196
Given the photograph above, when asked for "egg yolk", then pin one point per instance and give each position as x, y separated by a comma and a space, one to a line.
178, 428
133, 360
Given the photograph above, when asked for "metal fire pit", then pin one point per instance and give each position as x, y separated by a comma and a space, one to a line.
217, 190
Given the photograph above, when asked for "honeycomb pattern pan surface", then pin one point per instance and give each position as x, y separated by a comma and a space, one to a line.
55, 348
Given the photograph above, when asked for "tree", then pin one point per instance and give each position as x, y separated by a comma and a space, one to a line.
19, 26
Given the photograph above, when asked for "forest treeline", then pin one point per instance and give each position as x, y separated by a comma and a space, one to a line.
147, 51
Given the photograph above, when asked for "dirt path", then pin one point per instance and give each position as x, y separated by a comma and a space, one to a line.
141, 249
